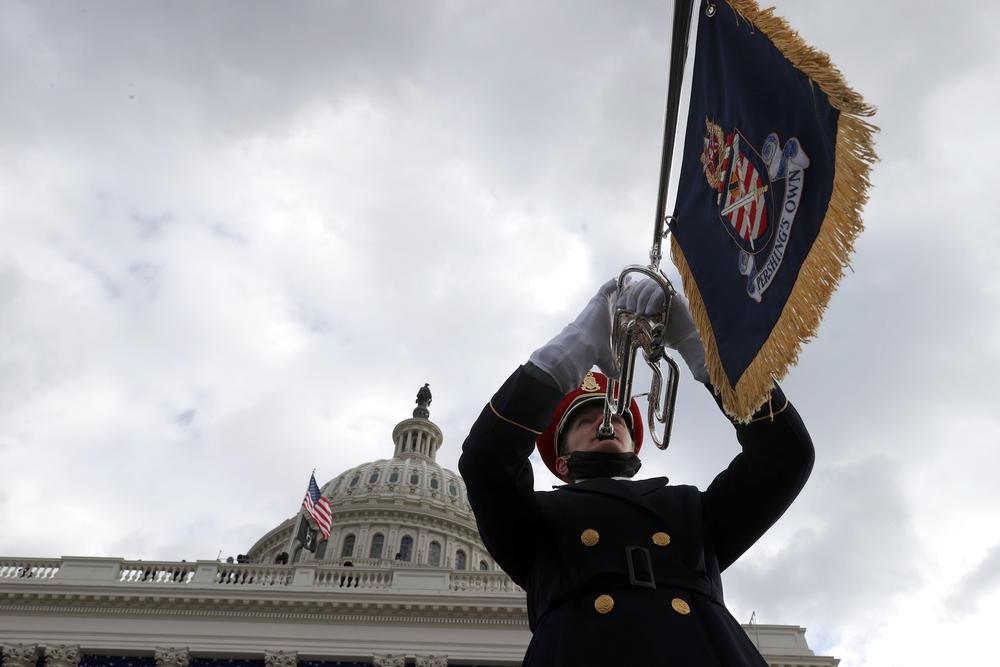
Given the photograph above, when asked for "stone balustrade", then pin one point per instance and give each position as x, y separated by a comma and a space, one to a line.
216, 575
353, 577
156, 573
483, 582
35, 568
254, 575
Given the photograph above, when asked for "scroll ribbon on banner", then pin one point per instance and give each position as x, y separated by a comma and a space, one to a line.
774, 175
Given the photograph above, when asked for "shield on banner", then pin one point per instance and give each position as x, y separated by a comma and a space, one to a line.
745, 195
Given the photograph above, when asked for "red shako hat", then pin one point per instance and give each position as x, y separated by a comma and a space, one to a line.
592, 389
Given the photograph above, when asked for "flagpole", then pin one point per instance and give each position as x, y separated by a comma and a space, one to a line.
678, 54
295, 535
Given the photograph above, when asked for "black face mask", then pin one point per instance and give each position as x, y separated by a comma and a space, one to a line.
587, 465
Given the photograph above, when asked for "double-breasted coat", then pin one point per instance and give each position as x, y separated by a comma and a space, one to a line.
622, 572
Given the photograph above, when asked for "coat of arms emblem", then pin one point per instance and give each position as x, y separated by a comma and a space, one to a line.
747, 183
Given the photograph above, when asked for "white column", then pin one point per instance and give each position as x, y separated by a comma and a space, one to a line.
361, 546
391, 545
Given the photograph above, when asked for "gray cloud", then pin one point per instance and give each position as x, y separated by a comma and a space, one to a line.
854, 549
185, 418
980, 582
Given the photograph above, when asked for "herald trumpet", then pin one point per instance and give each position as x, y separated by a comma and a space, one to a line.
632, 332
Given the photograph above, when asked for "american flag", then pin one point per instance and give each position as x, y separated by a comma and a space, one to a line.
318, 507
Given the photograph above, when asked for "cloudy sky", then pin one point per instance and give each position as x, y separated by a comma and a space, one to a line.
237, 237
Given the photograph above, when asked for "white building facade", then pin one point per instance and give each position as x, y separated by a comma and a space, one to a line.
403, 580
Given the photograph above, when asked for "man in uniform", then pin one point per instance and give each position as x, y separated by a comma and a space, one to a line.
621, 572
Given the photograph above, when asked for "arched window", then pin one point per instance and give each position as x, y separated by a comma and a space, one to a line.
435, 483
406, 548
355, 480
336, 485
378, 541
374, 477
347, 551
434, 554
483, 566
321, 550
414, 479
394, 477
452, 488
459, 560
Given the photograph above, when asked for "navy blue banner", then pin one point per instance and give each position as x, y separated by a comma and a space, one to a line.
756, 180
756, 177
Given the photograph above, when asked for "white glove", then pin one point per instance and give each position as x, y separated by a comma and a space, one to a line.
645, 297
584, 342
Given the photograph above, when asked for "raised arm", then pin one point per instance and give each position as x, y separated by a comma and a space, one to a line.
494, 460
497, 473
746, 498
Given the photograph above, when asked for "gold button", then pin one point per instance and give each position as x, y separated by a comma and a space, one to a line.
590, 537
661, 539
680, 606
604, 603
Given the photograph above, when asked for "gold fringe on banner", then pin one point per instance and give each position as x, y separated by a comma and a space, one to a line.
824, 265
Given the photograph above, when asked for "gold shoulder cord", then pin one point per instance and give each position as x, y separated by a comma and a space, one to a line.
511, 421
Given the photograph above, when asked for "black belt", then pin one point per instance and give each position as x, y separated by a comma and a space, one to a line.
640, 567
641, 574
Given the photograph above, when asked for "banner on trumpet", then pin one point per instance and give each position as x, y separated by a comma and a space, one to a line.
774, 175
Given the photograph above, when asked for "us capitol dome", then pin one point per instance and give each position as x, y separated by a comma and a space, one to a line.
406, 510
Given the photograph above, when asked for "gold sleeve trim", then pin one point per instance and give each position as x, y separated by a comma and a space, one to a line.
511, 421
771, 413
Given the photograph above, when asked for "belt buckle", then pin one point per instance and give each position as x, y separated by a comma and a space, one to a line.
632, 579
